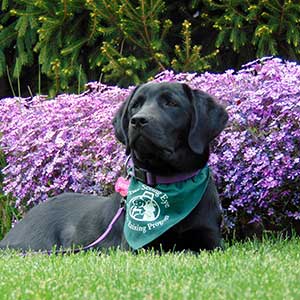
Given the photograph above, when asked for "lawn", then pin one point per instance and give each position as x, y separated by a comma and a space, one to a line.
250, 270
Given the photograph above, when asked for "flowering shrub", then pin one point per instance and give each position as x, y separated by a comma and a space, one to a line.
64, 144
68, 143
256, 160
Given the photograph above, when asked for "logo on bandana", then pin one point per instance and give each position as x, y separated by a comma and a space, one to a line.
144, 207
151, 211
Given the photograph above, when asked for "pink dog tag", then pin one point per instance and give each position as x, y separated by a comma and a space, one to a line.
121, 186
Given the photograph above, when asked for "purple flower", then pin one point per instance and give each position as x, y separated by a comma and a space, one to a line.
67, 144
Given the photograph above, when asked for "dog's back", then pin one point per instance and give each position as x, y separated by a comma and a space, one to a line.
167, 129
65, 221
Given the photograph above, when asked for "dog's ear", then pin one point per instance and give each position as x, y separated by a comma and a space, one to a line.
209, 118
118, 120
121, 121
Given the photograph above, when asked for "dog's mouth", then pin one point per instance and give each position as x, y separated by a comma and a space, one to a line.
146, 150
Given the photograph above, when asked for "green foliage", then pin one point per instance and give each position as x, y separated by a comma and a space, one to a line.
75, 41
133, 38
264, 27
7, 211
65, 43
187, 56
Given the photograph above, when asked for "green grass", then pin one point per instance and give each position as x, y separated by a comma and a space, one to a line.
251, 270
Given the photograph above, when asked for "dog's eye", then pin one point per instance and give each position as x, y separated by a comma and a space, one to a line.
134, 105
170, 102
137, 102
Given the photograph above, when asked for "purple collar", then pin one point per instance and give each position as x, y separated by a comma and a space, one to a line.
151, 179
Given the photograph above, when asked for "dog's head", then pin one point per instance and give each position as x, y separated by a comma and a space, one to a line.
167, 127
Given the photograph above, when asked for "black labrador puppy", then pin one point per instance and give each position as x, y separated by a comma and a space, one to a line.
166, 128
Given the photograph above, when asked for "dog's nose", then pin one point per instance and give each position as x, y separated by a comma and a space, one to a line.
138, 121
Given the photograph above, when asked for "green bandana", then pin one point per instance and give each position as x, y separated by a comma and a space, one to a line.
152, 211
